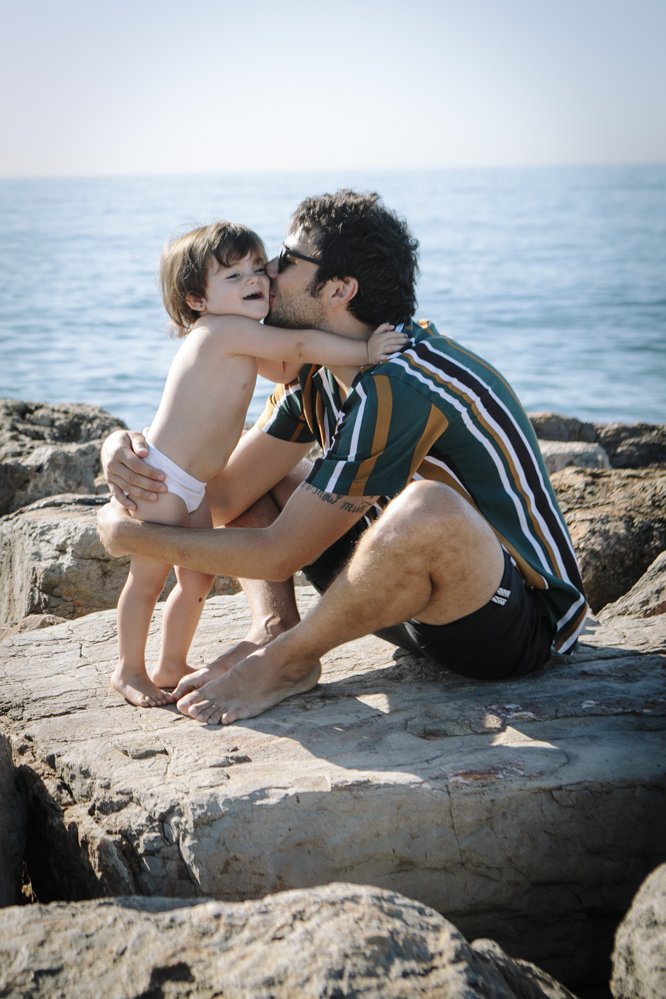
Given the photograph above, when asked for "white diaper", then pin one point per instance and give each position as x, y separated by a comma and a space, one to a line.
190, 490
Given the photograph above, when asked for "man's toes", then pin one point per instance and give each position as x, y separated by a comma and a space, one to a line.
183, 687
184, 703
206, 712
201, 710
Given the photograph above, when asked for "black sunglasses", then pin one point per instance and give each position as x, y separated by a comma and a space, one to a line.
285, 252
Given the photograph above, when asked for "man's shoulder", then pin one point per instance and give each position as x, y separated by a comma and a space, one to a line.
425, 343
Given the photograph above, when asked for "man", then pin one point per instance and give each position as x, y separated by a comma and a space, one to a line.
430, 519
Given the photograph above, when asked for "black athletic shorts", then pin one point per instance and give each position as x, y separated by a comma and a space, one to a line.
508, 637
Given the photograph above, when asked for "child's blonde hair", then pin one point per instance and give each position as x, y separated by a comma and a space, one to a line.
184, 265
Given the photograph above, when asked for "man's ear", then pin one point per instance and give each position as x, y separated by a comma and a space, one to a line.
195, 302
342, 290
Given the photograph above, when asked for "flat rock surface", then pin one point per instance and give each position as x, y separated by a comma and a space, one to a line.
334, 941
525, 811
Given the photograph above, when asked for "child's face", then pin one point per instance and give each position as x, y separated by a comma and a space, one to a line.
239, 290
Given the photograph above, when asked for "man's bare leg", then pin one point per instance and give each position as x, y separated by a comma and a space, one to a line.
273, 607
431, 556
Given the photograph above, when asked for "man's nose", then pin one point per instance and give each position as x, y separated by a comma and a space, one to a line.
272, 268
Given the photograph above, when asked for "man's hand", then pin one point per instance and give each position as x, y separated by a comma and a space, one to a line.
125, 472
113, 524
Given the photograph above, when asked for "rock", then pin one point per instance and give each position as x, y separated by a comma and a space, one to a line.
628, 445
555, 427
560, 454
646, 598
32, 623
617, 523
525, 811
50, 470
22, 424
523, 977
12, 830
338, 940
639, 958
52, 562
633, 445
50, 449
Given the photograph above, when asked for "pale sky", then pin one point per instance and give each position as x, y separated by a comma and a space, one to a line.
91, 87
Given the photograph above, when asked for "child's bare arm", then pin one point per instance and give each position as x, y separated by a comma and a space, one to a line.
281, 372
270, 343
384, 342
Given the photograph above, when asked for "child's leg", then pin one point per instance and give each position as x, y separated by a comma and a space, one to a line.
136, 605
182, 612
135, 608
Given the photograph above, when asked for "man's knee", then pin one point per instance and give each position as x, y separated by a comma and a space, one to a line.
425, 505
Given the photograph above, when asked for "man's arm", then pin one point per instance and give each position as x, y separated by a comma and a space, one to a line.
310, 522
258, 462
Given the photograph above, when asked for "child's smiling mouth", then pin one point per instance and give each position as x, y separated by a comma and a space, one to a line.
255, 294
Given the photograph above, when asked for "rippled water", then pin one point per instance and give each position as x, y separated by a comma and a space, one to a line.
557, 276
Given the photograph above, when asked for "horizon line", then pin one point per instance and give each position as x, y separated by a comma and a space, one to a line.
614, 164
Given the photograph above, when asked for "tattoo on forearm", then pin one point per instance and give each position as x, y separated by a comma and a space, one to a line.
331, 498
349, 507
358, 506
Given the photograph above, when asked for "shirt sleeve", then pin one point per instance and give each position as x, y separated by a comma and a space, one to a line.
283, 415
385, 430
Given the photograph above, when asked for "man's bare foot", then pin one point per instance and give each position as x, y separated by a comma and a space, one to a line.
257, 638
138, 688
252, 686
169, 675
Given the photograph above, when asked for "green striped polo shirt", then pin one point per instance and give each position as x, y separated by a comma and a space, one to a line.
437, 411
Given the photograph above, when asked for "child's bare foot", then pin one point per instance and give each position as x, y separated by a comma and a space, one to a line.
138, 688
168, 676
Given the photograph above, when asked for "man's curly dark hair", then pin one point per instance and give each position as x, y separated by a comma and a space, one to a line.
355, 235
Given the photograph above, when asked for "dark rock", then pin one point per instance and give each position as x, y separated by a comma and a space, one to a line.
555, 427
617, 522
633, 445
12, 829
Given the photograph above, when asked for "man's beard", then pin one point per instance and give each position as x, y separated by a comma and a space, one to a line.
302, 313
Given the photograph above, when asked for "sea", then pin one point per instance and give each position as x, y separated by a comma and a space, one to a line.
557, 276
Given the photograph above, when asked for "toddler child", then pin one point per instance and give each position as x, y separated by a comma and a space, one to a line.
217, 270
